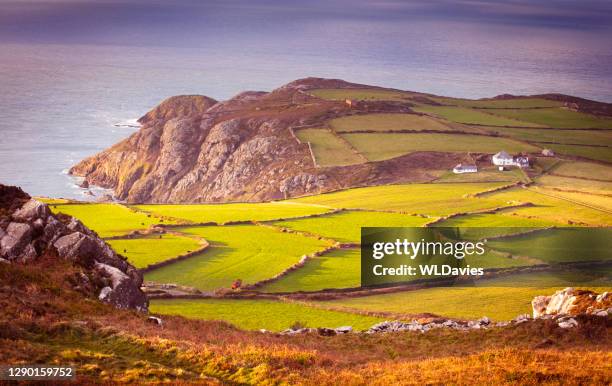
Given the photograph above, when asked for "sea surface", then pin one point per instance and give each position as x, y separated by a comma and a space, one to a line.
70, 73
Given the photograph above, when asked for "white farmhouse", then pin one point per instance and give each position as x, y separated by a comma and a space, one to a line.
502, 159
461, 168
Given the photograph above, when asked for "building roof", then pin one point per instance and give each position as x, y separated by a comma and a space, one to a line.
502, 154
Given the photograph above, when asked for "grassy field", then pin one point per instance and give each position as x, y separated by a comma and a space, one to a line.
108, 219
428, 199
248, 252
377, 147
559, 245
591, 152
576, 137
550, 206
346, 226
500, 299
488, 174
471, 116
329, 150
518, 103
494, 220
556, 117
360, 94
258, 314
576, 184
387, 122
222, 213
339, 268
144, 251
584, 170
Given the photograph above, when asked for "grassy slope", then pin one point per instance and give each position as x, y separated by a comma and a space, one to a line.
248, 252
346, 226
108, 219
222, 213
360, 94
575, 184
431, 199
145, 251
590, 152
499, 299
471, 116
258, 314
387, 122
519, 103
329, 150
556, 117
337, 269
105, 344
576, 137
584, 170
378, 147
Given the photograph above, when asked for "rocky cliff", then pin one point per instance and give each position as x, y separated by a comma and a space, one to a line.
195, 149
29, 232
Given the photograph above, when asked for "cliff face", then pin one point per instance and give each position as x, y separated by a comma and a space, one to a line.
194, 149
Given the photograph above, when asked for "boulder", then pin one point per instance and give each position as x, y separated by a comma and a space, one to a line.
569, 302
344, 329
78, 247
155, 320
31, 210
17, 236
104, 292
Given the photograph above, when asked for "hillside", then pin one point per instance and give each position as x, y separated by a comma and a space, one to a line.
304, 138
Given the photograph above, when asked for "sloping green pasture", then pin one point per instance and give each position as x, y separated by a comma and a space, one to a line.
329, 150
144, 251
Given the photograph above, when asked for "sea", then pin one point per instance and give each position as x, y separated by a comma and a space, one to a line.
74, 76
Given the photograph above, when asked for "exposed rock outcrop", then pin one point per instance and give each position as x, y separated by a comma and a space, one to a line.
194, 149
28, 230
570, 301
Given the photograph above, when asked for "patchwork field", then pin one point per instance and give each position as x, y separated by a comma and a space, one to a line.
576, 184
555, 117
361, 94
516, 103
488, 174
346, 226
248, 252
258, 314
329, 150
380, 147
598, 153
109, 219
427, 199
514, 293
472, 116
556, 136
222, 213
340, 268
387, 122
584, 170
144, 251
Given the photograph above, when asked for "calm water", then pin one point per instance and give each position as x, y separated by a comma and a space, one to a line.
67, 74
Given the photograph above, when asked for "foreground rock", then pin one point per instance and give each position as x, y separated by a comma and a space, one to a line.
570, 301
28, 231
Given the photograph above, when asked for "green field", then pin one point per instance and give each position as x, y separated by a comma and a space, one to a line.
336, 269
428, 199
360, 94
144, 251
471, 116
378, 147
329, 150
576, 137
494, 220
556, 117
387, 122
488, 174
551, 206
108, 219
499, 299
584, 170
258, 314
576, 184
516, 103
592, 152
222, 213
559, 245
346, 226
248, 252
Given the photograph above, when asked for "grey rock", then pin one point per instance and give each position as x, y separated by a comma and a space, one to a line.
18, 235
27, 254
104, 293
155, 320
78, 247
567, 323
31, 210
344, 329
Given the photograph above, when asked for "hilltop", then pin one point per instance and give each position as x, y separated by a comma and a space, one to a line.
317, 135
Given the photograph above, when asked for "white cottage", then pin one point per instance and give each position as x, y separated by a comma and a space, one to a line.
461, 168
502, 159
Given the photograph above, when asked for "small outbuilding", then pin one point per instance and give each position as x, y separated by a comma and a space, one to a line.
548, 153
462, 168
